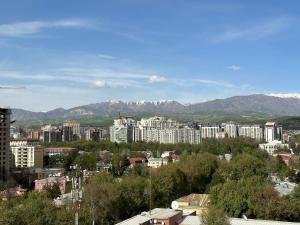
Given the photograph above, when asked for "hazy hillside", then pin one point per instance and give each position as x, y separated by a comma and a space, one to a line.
242, 107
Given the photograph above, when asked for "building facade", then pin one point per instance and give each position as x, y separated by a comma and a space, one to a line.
27, 153
5, 152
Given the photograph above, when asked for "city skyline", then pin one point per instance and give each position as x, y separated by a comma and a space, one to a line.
144, 50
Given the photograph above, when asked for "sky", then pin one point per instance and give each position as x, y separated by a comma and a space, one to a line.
57, 53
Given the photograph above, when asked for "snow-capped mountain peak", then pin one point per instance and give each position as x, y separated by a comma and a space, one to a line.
285, 95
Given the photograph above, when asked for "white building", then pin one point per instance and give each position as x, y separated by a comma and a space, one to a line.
272, 132
273, 146
231, 130
251, 131
157, 162
210, 131
122, 130
27, 153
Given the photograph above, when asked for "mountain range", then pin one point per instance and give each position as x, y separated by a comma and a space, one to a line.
269, 104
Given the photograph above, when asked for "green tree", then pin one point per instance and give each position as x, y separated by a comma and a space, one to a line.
215, 216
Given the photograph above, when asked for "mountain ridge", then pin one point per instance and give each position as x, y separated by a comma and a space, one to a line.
250, 103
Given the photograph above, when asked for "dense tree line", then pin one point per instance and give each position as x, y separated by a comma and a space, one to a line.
237, 187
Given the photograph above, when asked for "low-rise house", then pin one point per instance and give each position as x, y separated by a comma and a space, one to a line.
57, 151
157, 162
273, 146
12, 193
50, 181
173, 217
192, 203
137, 161
286, 157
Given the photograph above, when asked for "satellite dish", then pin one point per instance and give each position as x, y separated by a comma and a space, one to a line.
174, 205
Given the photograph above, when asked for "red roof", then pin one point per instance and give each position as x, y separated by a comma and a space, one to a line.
137, 160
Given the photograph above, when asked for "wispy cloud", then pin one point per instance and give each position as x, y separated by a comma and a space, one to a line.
4, 87
234, 67
256, 31
105, 56
214, 83
21, 29
156, 79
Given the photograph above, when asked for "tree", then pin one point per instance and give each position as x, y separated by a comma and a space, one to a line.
168, 184
87, 161
133, 197
101, 199
233, 196
52, 191
199, 170
215, 216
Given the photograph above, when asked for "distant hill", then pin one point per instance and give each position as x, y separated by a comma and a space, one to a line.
268, 106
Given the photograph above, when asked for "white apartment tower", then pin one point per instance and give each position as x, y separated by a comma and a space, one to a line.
272, 132
251, 131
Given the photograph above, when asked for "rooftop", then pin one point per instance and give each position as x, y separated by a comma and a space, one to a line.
195, 199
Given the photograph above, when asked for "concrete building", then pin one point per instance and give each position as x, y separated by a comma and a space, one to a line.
157, 162
71, 130
231, 130
27, 153
5, 152
50, 181
272, 132
160, 216
122, 130
252, 131
273, 146
192, 203
210, 131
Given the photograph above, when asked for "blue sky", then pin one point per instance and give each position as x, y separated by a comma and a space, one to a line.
57, 53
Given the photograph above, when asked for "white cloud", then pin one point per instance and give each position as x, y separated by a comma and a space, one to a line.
285, 95
101, 84
156, 79
21, 29
234, 67
256, 31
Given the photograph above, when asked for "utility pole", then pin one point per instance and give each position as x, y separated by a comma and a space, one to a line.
77, 193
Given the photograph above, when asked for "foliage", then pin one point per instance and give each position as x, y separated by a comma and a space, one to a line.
215, 216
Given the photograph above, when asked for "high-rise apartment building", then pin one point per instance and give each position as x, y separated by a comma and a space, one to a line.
210, 131
74, 126
5, 152
272, 132
252, 131
27, 153
231, 130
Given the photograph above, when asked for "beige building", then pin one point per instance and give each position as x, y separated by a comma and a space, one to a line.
157, 162
27, 153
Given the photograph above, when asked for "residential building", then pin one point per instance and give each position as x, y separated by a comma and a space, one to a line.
50, 181
155, 216
192, 203
122, 130
71, 130
231, 130
251, 131
210, 131
273, 146
10, 193
27, 153
272, 132
5, 152
137, 161
161, 216
57, 151
157, 162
